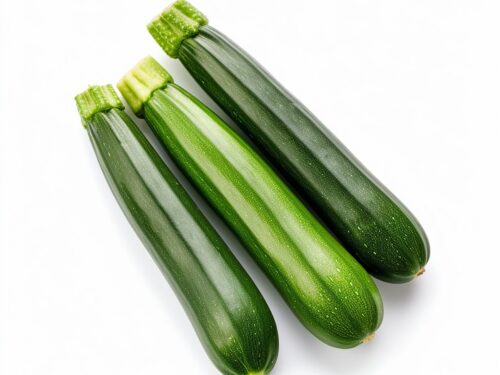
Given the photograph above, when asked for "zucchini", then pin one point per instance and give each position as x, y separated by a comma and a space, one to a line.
368, 219
227, 311
330, 293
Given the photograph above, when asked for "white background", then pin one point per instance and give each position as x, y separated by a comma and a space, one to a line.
411, 87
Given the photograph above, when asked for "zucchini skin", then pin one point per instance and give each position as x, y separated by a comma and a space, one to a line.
225, 307
367, 218
329, 292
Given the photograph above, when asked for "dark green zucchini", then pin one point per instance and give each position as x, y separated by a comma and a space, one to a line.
322, 283
229, 314
373, 225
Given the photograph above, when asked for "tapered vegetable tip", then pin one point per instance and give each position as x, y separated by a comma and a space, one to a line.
179, 21
369, 338
141, 81
97, 99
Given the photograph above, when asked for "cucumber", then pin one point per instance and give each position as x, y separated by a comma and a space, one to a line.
227, 311
330, 293
368, 219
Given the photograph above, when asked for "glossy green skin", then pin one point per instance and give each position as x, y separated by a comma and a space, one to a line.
326, 288
373, 225
229, 314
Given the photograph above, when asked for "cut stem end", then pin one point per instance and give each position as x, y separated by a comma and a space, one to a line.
179, 21
141, 81
96, 99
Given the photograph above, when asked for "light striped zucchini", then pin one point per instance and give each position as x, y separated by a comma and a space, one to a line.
325, 287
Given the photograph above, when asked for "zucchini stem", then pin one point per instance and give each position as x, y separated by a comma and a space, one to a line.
179, 21
97, 99
141, 81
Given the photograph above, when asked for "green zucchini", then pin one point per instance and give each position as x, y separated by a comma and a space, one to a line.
368, 219
227, 311
330, 293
